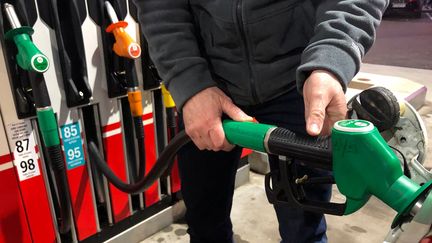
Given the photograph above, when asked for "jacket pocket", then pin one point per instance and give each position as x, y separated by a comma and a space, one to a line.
218, 36
282, 35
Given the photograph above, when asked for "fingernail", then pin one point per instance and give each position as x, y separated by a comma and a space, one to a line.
247, 118
314, 128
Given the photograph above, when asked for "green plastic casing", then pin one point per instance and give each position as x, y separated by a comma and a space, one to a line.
48, 127
364, 165
29, 57
246, 134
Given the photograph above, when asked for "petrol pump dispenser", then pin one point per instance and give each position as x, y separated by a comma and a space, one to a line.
151, 82
124, 51
29, 58
23, 97
69, 85
132, 120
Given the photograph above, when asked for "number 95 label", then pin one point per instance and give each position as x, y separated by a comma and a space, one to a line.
72, 144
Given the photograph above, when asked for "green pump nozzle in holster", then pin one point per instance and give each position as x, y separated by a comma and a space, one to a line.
362, 164
31, 59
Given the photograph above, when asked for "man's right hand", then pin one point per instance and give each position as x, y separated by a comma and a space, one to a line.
202, 118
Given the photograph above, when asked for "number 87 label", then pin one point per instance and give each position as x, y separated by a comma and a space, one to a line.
72, 144
22, 143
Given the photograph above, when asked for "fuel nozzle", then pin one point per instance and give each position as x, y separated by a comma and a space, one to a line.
29, 57
124, 46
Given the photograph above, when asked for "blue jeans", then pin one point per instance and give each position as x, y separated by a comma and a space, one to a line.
208, 183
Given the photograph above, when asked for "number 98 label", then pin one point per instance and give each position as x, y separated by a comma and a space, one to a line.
72, 144
22, 142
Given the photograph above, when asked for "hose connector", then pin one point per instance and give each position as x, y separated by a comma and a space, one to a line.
135, 103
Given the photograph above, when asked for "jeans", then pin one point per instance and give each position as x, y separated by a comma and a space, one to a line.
208, 182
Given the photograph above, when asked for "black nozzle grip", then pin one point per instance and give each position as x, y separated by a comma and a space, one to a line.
313, 151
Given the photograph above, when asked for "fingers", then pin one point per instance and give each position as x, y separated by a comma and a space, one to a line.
233, 111
213, 140
315, 112
324, 101
217, 137
202, 118
200, 141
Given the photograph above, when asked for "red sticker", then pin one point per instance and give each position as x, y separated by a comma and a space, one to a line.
134, 50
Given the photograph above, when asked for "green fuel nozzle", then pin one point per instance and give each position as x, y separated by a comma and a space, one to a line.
29, 57
365, 165
362, 163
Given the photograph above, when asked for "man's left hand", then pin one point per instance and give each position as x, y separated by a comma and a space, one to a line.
324, 101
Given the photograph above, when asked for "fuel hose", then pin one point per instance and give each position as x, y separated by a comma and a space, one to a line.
162, 164
260, 137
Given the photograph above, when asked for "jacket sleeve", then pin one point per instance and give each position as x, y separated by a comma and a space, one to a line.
170, 33
344, 32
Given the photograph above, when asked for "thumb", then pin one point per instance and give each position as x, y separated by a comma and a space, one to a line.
234, 112
315, 114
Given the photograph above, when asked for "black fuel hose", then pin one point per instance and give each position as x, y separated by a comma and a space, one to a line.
139, 134
55, 153
162, 164
64, 201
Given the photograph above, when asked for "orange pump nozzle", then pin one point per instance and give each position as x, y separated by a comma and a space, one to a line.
124, 46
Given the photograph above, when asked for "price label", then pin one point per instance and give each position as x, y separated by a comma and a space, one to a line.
22, 143
72, 144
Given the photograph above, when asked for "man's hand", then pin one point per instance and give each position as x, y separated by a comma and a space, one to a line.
325, 102
202, 118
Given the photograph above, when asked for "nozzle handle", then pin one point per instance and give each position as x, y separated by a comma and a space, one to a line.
314, 151
125, 45
29, 57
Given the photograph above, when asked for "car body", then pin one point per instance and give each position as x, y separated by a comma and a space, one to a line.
413, 7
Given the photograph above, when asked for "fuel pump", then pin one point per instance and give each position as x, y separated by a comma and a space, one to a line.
121, 56
128, 50
23, 65
31, 59
69, 82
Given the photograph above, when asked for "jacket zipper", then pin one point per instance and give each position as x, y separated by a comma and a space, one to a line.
239, 16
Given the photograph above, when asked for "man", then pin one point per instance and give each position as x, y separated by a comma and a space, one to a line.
284, 62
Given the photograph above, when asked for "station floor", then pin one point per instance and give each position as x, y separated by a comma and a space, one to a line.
254, 219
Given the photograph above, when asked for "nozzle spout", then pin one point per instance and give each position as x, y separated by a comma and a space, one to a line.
111, 12
11, 15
